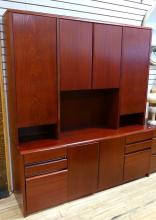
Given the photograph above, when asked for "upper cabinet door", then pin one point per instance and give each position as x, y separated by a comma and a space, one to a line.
135, 62
35, 69
107, 56
75, 54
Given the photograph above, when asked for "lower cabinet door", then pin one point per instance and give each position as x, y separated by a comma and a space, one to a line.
111, 163
46, 191
83, 170
137, 165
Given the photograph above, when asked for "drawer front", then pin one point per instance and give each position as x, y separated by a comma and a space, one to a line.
46, 191
138, 146
141, 136
153, 163
38, 169
45, 155
137, 165
154, 146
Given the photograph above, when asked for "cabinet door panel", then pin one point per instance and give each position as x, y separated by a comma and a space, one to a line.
135, 61
111, 163
107, 56
75, 54
35, 69
83, 170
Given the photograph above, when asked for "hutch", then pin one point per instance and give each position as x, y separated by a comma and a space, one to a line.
76, 97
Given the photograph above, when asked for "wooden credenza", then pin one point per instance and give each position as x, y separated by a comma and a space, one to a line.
76, 97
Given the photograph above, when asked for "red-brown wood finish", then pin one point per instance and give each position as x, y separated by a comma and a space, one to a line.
46, 190
111, 163
35, 69
153, 163
153, 154
107, 56
39, 156
137, 165
43, 48
139, 136
37, 149
82, 170
46, 167
135, 62
154, 146
89, 109
75, 54
130, 148
17, 159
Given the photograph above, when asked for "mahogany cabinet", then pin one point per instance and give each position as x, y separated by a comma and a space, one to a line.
35, 70
107, 56
82, 170
111, 162
135, 64
75, 43
76, 97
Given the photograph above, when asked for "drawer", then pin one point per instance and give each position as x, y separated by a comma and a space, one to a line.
46, 155
154, 146
137, 165
153, 163
49, 167
138, 146
46, 191
140, 136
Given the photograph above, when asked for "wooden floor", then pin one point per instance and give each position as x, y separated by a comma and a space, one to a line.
132, 201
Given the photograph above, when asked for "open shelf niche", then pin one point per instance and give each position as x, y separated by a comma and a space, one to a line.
89, 108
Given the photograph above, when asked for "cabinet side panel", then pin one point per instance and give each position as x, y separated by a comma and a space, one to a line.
17, 160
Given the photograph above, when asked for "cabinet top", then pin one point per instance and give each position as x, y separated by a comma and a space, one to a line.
83, 136
71, 18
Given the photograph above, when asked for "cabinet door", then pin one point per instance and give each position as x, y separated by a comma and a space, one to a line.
82, 170
75, 54
35, 69
107, 56
111, 163
135, 62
